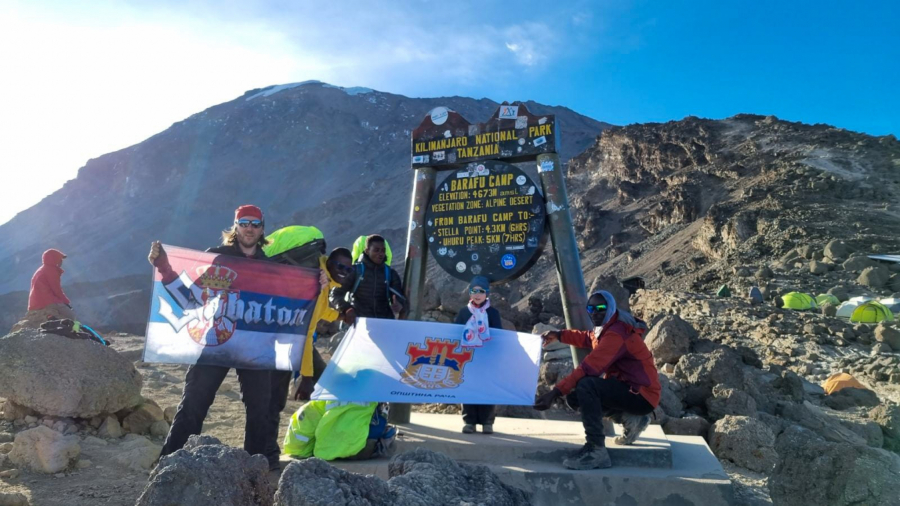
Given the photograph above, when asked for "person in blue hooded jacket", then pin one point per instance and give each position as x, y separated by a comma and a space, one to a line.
478, 317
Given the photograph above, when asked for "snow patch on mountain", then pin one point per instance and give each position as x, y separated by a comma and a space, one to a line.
267, 92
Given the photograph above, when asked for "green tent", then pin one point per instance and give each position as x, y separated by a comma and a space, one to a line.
798, 301
827, 298
724, 291
360, 245
872, 312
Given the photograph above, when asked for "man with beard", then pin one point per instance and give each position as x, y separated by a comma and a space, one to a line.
245, 238
617, 379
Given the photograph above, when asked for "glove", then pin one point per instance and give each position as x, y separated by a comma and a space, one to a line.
545, 401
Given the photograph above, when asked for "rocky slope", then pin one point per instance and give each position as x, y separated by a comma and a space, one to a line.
308, 154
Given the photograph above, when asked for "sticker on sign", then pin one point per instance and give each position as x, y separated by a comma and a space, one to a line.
509, 112
439, 115
420, 159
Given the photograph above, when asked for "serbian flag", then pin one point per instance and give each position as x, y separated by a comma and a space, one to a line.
424, 362
229, 311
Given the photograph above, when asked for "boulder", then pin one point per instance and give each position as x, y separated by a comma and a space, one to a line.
819, 421
847, 398
811, 470
857, 264
137, 454
894, 282
552, 372
670, 339
836, 250
840, 292
207, 473
889, 335
887, 416
874, 277
44, 450
701, 371
669, 401
57, 376
817, 267
828, 309
169, 413
745, 441
143, 417
687, 426
416, 477
13, 499
729, 401
110, 428
13, 411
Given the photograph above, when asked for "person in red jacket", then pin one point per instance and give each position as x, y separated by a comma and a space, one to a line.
617, 379
46, 300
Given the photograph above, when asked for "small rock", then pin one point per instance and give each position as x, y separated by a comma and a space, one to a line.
817, 267
159, 429
110, 428
169, 413
83, 464
142, 418
889, 335
94, 441
687, 426
13, 499
670, 339
6, 448
44, 450
874, 277
31, 419
836, 250
137, 454
5, 437
858, 264
10, 474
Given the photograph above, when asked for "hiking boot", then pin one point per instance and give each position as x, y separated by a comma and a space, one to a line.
274, 465
487, 428
469, 428
633, 425
589, 457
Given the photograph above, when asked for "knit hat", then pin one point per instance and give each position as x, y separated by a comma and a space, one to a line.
481, 282
248, 211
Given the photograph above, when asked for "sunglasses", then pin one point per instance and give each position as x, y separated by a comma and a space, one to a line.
477, 290
249, 223
346, 269
599, 308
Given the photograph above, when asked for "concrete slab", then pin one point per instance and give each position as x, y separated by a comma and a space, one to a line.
528, 454
517, 439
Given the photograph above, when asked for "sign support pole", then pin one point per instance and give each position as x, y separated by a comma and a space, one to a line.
565, 248
416, 261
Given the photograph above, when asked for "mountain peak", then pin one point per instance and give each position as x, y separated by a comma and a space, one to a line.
273, 89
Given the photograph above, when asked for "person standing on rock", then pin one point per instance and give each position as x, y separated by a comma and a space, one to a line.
478, 317
46, 299
245, 238
374, 288
617, 379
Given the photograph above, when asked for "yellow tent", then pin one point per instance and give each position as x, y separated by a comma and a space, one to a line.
827, 298
840, 381
798, 301
871, 312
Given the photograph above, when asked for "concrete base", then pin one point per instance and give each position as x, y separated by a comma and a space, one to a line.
658, 470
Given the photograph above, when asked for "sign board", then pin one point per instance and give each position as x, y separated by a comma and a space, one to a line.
486, 219
445, 139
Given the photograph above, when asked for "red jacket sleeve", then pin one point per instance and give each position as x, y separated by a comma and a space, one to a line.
54, 283
577, 338
610, 349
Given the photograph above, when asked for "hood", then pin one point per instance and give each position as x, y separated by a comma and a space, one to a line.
620, 315
52, 257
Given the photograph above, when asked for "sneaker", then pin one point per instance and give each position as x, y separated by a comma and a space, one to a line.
469, 428
487, 428
589, 457
633, 425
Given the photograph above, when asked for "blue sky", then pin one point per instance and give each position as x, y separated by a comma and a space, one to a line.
93, 77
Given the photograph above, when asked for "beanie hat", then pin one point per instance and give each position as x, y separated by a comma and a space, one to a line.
480, 281
248, 211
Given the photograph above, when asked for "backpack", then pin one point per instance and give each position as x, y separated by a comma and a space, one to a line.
296, 245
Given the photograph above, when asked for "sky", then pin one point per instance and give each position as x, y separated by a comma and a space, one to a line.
79, 79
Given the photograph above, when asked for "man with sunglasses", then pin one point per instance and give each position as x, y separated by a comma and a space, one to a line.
245, 238
617, 379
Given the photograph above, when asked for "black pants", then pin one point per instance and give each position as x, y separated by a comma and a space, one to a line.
479, 414
598, 397
280, 387
200, 386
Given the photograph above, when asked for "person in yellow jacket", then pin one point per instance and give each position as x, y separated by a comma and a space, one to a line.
336, 267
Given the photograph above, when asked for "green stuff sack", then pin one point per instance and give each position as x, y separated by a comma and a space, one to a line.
360, 246
301, 434
343, 429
